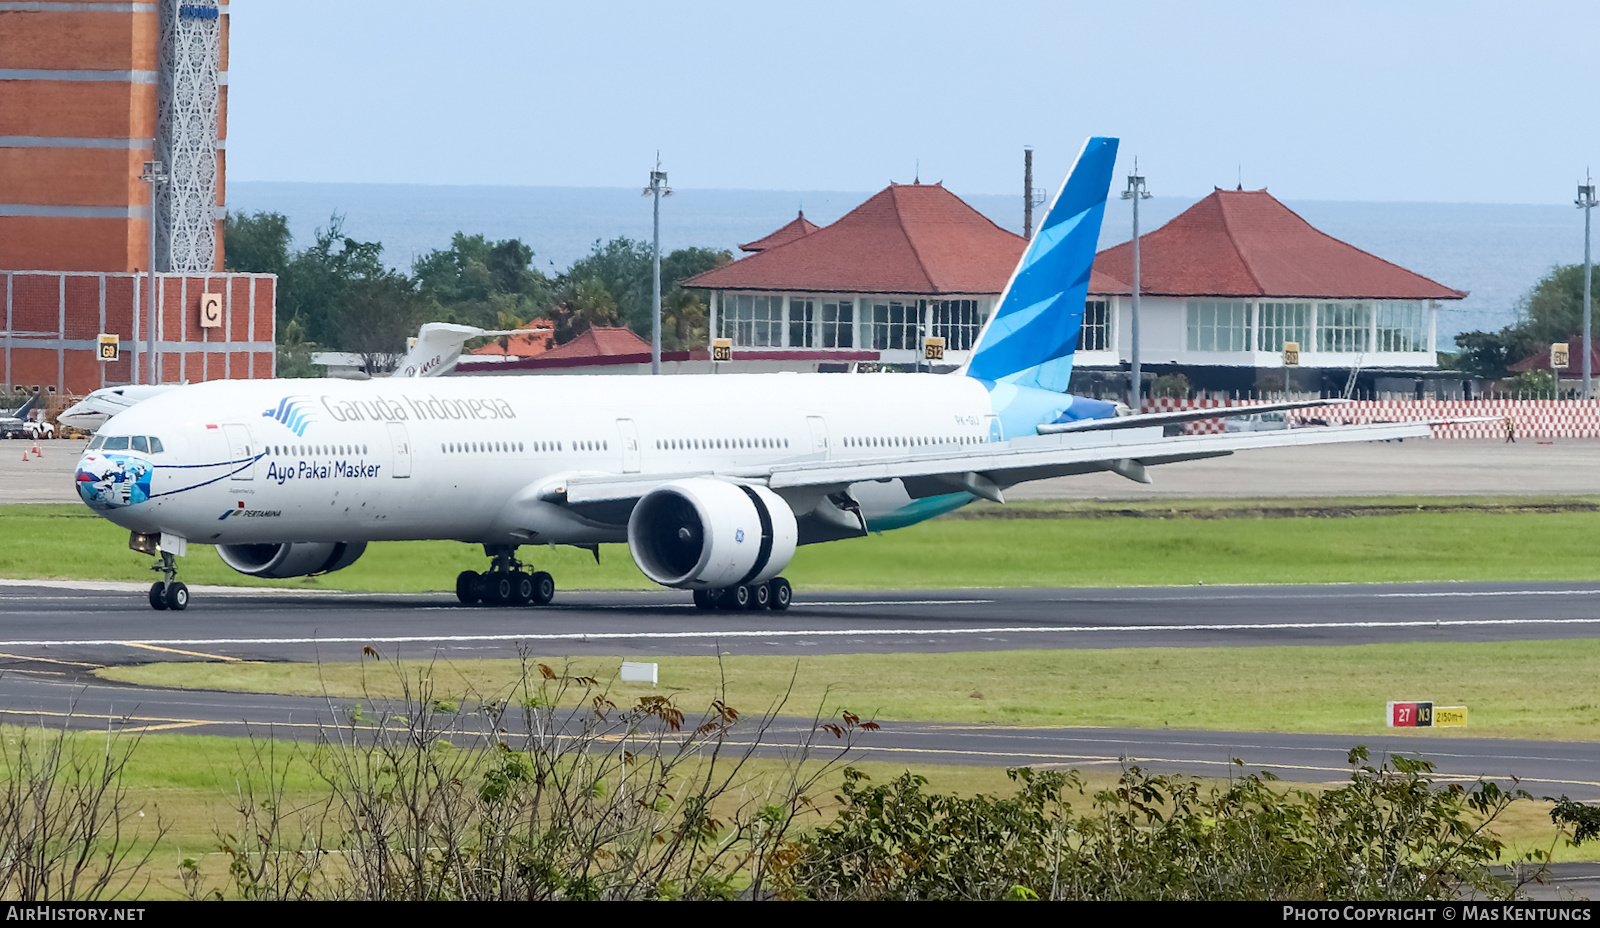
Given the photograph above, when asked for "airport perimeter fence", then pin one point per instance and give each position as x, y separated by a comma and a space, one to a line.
1471, 419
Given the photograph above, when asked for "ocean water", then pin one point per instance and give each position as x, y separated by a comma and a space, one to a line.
1495, 251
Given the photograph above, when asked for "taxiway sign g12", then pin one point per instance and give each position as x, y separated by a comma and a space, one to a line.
712, 481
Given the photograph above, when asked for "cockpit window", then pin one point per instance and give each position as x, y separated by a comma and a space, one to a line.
139, 444
120, 443
155, 445
98, 441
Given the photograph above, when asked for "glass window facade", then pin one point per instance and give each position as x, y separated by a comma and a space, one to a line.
1218, 325
1277, 323
896, 324
752, 321
838, 326
957, 321
802, 323
1096, 332
1344, 326
1403, 326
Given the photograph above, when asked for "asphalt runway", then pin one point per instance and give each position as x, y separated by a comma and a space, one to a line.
110, 623
52, 636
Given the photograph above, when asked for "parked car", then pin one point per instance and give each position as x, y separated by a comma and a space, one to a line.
40, 427
1257, 422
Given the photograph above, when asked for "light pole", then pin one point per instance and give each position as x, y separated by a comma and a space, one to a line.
1586, 202
1135, 192
155, 174
658, 188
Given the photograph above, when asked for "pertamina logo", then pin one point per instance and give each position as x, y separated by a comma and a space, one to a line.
294, 412
244, 513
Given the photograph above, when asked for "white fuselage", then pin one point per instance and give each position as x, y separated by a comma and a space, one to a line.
247, 462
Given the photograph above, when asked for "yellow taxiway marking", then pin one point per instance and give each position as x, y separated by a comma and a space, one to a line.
156, 722
151, 647
47, 660
167, 726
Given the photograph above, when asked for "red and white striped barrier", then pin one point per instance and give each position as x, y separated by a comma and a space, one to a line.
1533, 418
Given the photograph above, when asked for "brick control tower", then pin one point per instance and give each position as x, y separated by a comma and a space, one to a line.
90, 91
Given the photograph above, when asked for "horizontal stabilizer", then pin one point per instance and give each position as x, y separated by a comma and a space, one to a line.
437, 348
1147, 419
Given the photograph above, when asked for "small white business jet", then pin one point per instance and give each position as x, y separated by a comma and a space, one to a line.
712, 481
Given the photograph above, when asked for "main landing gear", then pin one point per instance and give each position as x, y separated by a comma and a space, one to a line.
775, 594
168, 592
505, 583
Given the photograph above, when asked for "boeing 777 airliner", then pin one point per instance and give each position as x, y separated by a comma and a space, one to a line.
712, 481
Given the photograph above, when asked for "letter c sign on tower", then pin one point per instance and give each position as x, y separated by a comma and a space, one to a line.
210, 310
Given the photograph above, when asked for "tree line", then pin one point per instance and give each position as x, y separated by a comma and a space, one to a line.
338, 293
1551, 312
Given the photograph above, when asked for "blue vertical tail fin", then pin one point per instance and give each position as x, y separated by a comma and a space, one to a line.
1031, 336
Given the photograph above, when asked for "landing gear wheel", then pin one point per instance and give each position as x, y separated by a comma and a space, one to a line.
158, 597
736, 597
760, 595
544, 589
497, 588
467, 588
705, 599
781, 594
177, 597
521, 589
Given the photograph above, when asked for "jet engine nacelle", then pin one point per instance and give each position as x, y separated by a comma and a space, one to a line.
291, 559
706, 534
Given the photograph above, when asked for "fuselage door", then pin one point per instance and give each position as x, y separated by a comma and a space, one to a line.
240, 451
630, 445
401, 443
819, 436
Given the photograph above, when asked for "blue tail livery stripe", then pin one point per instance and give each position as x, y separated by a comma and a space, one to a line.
1033, 332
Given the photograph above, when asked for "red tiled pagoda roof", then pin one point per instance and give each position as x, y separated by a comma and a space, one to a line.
907, 238
1244, 243
799, 227
601, 341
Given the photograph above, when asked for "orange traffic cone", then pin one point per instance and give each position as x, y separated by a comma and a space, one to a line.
35, 451
24, 455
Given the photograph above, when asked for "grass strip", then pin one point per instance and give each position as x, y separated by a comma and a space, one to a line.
1542, 690
1438, 544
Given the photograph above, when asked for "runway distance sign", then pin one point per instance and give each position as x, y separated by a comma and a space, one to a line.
722, 349
1425, 715
109, 346
210, 310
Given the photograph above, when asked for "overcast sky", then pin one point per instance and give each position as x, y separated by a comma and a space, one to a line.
1459, 101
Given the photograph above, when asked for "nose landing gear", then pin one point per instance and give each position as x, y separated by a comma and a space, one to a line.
505, 583
168, 592
775, 594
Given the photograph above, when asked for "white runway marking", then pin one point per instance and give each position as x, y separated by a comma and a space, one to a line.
797, 633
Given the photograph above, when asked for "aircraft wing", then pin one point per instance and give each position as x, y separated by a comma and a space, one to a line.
989, 469
1141, 420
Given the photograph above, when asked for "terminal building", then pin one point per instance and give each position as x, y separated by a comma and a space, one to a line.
89, 93
914, 260
1228, 282
1223, 287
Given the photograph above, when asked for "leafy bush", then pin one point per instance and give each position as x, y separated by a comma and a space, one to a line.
1174, 385
1388, 834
